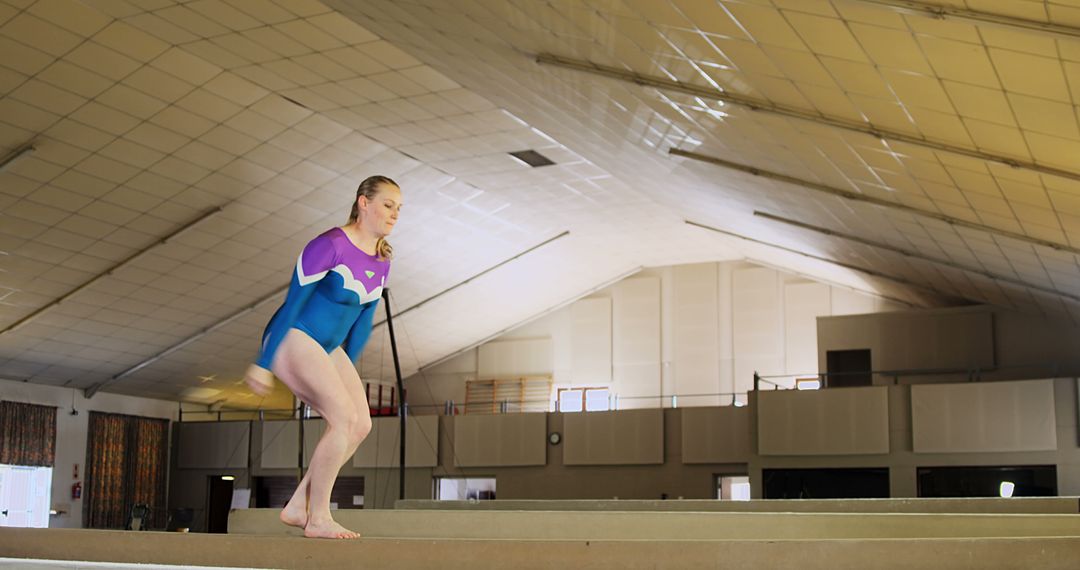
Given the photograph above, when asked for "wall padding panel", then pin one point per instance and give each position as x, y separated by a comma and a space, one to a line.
500, 440
757, 324
837, 421
624, 437
380, 449
844, 302
515, 358
697, 352
981, 417
959, 338
803, 304
716, 435
213, 445
590, 362
636, 341
636, 318
279, 444
964, 340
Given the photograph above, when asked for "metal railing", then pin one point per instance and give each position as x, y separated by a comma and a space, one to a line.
972, 374
617, 402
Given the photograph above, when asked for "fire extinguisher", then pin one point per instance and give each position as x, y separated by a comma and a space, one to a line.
76, 490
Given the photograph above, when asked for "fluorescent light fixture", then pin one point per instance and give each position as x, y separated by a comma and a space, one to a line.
16, 155
228, 478
1006, 489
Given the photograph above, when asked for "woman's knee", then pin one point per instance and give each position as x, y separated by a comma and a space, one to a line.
354, 425
363, 426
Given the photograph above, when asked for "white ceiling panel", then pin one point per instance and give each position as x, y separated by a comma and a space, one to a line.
250, 122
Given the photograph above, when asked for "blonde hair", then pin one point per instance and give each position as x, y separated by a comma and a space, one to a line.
368, 189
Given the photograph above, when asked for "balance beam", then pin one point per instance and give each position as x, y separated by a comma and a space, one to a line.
582, 525
303, 554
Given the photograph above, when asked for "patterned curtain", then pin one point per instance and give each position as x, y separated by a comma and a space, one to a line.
149, 467
126, 464
27, 434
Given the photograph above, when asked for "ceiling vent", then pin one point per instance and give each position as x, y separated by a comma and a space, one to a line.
532, 158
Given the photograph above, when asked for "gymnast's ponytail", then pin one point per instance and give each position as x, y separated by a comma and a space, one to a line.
368, 189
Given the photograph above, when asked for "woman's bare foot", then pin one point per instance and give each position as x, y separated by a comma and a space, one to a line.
294, 515
328, 529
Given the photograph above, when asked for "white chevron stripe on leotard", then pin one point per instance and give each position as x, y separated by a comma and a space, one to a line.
306, 280
351, 283
355, 285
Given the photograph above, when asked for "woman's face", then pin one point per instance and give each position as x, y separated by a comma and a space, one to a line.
381, 212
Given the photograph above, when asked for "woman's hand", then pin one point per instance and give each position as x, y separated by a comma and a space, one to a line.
259, 379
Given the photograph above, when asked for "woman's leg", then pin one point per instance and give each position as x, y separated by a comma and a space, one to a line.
350, 378
303, 365
295, 512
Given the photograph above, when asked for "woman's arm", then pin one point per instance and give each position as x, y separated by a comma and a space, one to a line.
318, 257
360, 331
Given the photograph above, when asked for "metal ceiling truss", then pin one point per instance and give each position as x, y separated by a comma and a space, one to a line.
871, 272
95, 388
603, 285
109, 272
794, 113
276, 294
916, 255
940, 12
855, 196
830, 283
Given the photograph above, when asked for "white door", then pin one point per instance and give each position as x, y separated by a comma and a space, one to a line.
24, 496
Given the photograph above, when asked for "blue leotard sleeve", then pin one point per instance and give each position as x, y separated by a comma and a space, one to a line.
318, 257
360, 331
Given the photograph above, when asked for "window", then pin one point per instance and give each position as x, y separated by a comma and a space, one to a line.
464, 489
825, 483
25, 496
733, 487
988, 481
597, 399
584, 399
570, 400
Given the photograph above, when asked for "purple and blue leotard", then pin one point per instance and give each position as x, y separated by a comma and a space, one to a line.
332, 297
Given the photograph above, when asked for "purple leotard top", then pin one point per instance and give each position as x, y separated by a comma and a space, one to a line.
332, 297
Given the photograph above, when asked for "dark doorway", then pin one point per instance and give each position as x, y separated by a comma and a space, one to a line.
848, 368
848, 483
219, 502
986, 481
274, 492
